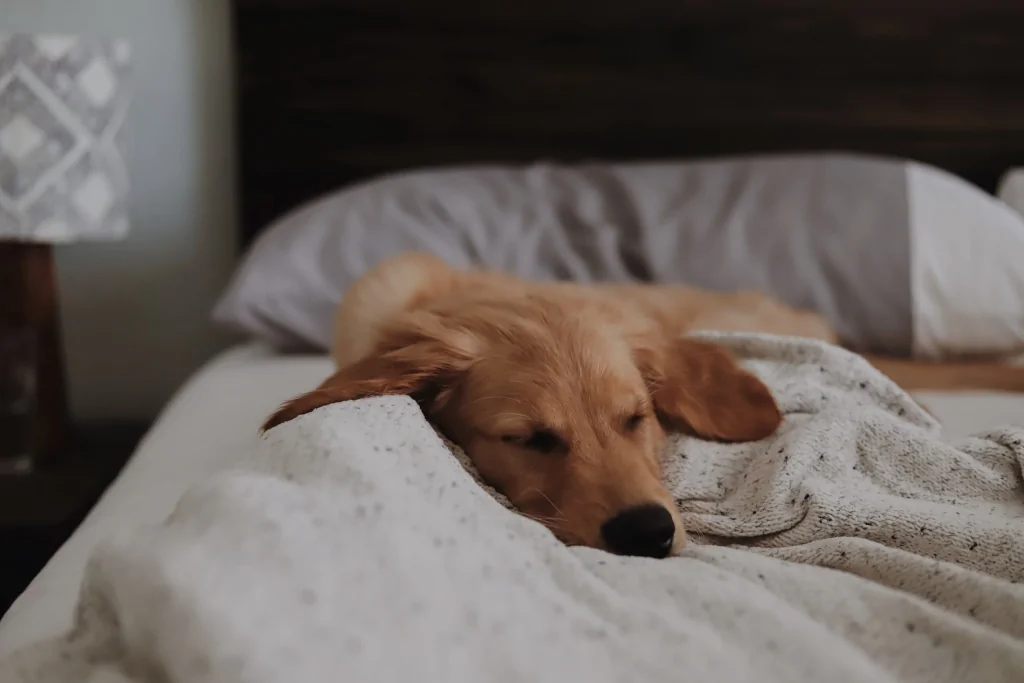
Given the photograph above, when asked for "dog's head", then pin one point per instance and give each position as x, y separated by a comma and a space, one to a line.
563, 412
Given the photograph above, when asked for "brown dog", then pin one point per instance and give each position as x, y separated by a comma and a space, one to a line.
559, 393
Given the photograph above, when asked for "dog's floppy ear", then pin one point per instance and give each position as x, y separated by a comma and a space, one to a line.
700, 387
420, 358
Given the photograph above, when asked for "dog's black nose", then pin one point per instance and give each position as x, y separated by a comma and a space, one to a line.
646, 531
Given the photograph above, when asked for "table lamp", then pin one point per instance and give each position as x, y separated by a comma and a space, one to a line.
63, 103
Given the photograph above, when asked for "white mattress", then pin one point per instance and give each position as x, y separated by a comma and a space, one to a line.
215, 417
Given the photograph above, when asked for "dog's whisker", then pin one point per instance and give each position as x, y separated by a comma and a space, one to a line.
548, 499
534, 515
547, 521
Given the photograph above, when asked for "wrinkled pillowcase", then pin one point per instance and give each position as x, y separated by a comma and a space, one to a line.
900, 257
1011, 189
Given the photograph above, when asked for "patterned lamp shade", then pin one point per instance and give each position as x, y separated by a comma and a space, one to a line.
63, 102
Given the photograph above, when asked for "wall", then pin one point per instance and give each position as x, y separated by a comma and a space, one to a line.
136, 312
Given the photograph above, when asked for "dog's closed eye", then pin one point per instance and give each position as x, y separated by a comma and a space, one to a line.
633, 422
541, 440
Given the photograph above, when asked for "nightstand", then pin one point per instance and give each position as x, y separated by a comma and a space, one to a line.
39, 510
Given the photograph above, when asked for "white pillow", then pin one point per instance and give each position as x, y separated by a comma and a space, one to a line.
900, 257
1011, 189
967, 267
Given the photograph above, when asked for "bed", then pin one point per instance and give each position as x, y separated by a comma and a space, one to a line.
240, 387
336, 91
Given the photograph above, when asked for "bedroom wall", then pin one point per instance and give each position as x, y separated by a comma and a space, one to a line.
136, 312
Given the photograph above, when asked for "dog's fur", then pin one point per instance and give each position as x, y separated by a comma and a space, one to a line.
560, 393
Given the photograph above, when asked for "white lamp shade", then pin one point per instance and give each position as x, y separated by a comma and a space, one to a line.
63, 104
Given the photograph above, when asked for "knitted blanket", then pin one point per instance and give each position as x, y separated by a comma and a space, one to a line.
854, 545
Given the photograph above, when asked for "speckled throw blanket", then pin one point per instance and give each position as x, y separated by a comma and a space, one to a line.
855, 545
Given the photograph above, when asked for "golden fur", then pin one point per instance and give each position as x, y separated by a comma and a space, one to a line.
560, 393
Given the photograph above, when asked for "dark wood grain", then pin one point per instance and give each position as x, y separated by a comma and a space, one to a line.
29, 301
334, 91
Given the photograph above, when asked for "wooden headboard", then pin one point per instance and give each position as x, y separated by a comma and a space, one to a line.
333, 91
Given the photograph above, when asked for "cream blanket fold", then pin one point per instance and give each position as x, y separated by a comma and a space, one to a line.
854, 545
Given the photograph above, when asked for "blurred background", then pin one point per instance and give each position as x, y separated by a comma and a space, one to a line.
135, 312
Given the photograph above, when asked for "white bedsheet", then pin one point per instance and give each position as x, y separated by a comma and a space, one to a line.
215, 416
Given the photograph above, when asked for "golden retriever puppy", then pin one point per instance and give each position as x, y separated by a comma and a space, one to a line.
559, 393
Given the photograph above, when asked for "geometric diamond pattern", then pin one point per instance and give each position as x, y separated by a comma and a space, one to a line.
19, 138
97, 82
63, 105
94, 197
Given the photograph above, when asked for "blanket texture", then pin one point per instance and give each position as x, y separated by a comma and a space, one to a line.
854, 545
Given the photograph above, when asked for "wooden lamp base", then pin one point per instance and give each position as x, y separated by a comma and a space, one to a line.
29, 301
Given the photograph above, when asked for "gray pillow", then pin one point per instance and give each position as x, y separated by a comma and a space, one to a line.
829, 232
